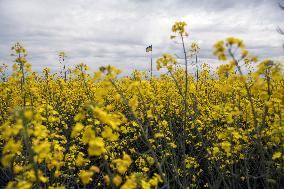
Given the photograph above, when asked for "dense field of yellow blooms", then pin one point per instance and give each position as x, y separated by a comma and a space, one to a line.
82, 130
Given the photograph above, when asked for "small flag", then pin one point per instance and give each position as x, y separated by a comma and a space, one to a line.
148, 49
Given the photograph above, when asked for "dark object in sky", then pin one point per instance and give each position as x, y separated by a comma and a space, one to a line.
281, 6
278, 29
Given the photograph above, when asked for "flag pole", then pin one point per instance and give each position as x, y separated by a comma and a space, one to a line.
151, 64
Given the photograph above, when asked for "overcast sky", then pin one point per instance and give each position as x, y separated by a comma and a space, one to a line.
116, 32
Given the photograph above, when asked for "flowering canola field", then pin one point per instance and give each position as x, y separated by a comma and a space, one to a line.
81, 130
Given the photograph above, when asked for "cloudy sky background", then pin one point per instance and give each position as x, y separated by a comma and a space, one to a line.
117, 32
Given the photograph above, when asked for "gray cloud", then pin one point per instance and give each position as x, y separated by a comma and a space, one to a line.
116, 32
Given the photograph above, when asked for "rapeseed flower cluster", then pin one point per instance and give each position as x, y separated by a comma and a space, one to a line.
79, 129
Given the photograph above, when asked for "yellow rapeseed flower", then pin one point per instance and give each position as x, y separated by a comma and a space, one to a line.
96, 146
